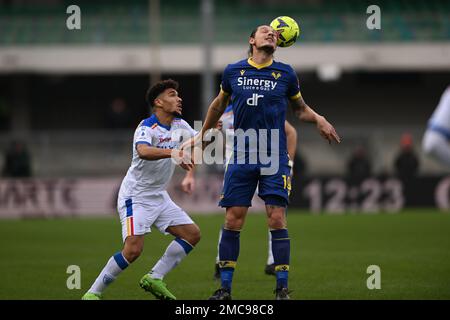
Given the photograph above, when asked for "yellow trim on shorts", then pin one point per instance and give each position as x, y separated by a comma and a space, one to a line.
129, 221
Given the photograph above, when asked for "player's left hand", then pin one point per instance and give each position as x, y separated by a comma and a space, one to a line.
327, 131
183, 159
188, 184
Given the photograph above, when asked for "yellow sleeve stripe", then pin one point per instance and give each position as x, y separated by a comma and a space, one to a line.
223, 91
295, 97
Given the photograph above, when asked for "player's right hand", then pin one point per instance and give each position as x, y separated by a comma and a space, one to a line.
327, 131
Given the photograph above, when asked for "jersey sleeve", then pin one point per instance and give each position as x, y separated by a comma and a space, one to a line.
143, 135
187, 127
225, 85
182, 133
293, 91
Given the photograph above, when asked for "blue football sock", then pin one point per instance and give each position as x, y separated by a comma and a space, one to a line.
281, 247
228, 254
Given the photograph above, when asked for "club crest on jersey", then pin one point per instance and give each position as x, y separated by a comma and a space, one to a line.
242, 72
276, 75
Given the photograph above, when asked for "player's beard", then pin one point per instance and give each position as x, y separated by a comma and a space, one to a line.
267, 49
176, 114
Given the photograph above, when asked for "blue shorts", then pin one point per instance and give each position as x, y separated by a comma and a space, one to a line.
241, 180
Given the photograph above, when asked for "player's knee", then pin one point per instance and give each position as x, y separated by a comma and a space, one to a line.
428, 144
132, 252
277, 221
194, 235
432, 142
233, 223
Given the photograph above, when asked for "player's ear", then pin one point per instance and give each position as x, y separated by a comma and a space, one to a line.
157, 102
251, 41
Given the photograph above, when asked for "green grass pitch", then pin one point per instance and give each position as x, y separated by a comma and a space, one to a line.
329, 257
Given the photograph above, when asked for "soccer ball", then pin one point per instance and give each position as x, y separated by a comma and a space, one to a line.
288, 30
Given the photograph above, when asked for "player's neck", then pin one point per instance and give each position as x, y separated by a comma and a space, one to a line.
164, 118
261, 57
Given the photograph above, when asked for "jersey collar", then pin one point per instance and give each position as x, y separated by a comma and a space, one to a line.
259, 66
159, 123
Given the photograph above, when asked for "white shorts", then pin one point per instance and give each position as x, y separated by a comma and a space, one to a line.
138, 215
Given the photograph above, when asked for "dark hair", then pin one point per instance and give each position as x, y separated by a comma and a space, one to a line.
250, 47
158, 88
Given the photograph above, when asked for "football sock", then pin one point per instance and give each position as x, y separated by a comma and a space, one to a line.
218, 244
175, 252
115, 265
269, 253
281, 247
228, 254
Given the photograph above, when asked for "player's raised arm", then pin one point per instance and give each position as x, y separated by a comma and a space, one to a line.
215, 111
307, 114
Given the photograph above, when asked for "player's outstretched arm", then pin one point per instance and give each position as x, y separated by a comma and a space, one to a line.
147, 152
307, 114
215, 111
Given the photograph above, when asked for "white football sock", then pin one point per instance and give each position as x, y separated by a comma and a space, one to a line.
115, 265
270, 253
175, 252
218, 243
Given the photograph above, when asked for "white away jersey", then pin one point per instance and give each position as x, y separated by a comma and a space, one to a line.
146, 177
228, 128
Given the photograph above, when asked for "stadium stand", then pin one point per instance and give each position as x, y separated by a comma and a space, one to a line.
127, 23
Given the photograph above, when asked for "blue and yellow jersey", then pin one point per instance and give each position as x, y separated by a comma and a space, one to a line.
260, 94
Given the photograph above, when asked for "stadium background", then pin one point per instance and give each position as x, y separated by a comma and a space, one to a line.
59, 87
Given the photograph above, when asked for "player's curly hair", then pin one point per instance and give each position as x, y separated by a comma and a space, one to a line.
158, 88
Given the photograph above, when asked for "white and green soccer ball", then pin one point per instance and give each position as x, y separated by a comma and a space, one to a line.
288, 30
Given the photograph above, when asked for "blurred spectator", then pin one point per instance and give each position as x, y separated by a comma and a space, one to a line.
119, 116
17, 161
406, 162
358, 166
